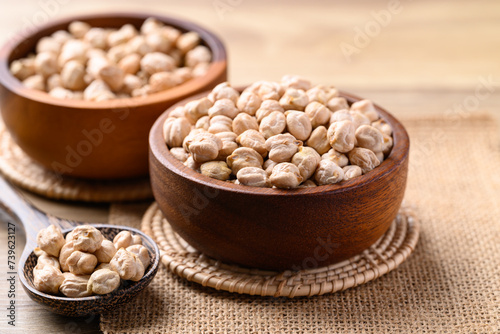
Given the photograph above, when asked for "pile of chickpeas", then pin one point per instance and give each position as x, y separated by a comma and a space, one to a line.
98, 64
285, 135
85, 263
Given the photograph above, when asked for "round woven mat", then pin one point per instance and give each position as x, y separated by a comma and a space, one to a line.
17, 167
385, 255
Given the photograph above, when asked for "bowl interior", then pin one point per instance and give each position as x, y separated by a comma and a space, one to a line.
98, 303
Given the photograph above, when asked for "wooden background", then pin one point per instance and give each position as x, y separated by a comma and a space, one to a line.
414, 58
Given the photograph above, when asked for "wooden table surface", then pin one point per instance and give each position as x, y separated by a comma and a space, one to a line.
412, 57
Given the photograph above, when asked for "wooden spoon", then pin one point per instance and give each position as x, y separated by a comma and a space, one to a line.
33, 220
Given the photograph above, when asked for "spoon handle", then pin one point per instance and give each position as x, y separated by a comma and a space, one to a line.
32, 219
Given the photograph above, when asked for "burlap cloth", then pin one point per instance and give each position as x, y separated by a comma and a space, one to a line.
450, 284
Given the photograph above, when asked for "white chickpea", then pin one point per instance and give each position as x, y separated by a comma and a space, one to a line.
127, 265
337, 103
216, 170
319, 140
36, 82
47, 279
286, 175
273, 124
282, 147
97, 90
158, 42
387, 144
131, 82
203, 123
78, 28
369, 137
358, 119
225, 107
113, 76
179, 153
244, 157
106, 252
200, 54
130, 64
249, 103
266, 108
383, 127
97, 38
87, 238
337, 157
253, 139
81, 263
48, 44
142, 253
253, 177
73, 50
157, 62
23, 68
341, 115
364, 158
161, 81
46, 64
75, 286
122, 35
175, 131
318, 114
196, 109
125, 239
243, 122
103, 281
296, 82
351, 171
188, 41
268, 166
72, 75
307, 160
328, 172
298, 124
50, 240
229, 144
65, 253
342, 136
220, 123
294, 99
204, 146
367, 108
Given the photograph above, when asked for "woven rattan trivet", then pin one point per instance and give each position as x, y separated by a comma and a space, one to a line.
17, 167
385, 255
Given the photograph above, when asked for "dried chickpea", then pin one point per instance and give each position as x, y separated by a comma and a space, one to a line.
318, 114
266, 108
75, 286
50, 240
253, 177
367, 108
296, 82
268, 166
383, 127
268, 90
358, 119
341, 115
298, 124
364, 158
179, 153
380, 156
204, 146
188, 41
161, 81
106, 252
337, 103
97, 38
95, 64
46, 64
47, 260
317, 94
319, 140
73, 50
81, 263
62, 93
47, 279
337, 157
87, 238
130, 64
48, 44
216, 170
158, 42
225, 107
61, 36
342, 136
282, 147
244, 157
78, 28
243, 122
369, 137
72, 75
196, 109
155, 62
387, 144
273, 124
113, 76
98, 90
142, 253
103, 281
130, 83
253, 139
190, 163
150, 25
23, 68
138, 45
229, 144
308, 184
122, 35
203, 123
36, 82
200, 54
65, 253
249, 103
307, 160
127, 265
125, 239
328, 172
351, 172
175, 131
286, 175
220, 123
294, 99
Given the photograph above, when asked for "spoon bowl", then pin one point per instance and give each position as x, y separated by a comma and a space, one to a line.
33, 220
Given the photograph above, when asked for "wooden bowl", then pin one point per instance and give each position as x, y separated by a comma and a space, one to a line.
98, 140
77, 307
279, 229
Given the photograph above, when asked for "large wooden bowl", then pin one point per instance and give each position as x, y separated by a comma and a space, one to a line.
279, 229
99, 140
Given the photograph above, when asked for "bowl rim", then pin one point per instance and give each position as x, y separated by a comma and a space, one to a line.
153, 268
210, 39
399, 154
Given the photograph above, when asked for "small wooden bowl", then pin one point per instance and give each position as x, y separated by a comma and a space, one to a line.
279, 229
97, 140
77, 307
